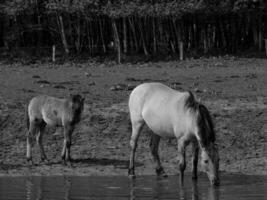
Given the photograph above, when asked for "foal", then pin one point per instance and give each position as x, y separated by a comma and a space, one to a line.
169, 113
45, 110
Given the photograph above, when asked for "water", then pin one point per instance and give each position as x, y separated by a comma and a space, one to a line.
119, 188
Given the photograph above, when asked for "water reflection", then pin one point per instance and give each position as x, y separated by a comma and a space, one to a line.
39, 188
194, 191
213, 193
121, 188
171, 189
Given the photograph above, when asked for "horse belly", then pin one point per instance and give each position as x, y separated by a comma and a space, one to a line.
51, 118
160, 125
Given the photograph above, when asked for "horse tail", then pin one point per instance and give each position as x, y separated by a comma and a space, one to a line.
205, 124
27, 118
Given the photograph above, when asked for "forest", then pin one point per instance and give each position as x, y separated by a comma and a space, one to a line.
133, 27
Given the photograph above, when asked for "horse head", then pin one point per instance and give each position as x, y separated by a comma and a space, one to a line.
210, 163
77, 106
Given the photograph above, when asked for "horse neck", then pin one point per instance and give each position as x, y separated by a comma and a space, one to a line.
208, 149
74, 113
205, 126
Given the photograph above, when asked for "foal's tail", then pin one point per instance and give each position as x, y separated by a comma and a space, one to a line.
27, 119
204, 121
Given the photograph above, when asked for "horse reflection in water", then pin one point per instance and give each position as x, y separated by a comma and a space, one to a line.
169, 113
39, 188
182, 192
212, 193
120, 187
68, 188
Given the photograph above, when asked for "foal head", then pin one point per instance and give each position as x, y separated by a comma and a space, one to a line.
210, 163
77, 107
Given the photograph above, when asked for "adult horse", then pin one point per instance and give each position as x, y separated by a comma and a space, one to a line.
169, 113
46, 110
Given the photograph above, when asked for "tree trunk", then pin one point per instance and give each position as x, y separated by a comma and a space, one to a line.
134, 34
54, 53
181, 50
142, 37
117, 40
254, 29
205, 42
154, 35
78, 34
260, 32
63, 35
124, 36
102, 38
224, 44
1, 30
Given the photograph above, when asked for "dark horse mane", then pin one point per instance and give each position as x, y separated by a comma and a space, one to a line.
204, 120
77, 101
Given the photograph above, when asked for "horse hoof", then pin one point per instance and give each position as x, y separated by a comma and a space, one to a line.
44, 160
163, 175
29, 161
131, 173
69, 164
64, 162
131, 176
160, 172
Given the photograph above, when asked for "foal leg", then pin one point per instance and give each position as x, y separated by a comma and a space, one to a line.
30, 140
136, 129
63, 153
181, 156
154, 145
68, 129
39, 140
195, 150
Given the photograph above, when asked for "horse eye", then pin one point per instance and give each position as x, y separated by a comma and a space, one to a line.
206, 161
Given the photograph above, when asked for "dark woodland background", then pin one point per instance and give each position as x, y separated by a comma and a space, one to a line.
132, 27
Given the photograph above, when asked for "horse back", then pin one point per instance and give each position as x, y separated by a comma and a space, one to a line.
162, 108
47, 108
35, 107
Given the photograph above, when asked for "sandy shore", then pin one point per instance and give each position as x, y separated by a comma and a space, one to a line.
235, 91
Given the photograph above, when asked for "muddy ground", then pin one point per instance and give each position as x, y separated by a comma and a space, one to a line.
234, 89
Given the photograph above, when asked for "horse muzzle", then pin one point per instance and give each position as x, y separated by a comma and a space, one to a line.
215, 181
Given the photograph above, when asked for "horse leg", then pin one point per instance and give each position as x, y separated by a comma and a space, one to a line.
68, 129
136, 129
154, 145
68, 146
195, 149
30, 141
181, 157
39, 140
63, 153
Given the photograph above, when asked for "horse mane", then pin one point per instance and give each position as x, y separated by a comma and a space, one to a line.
77, 107
191, 102
205, 125
204, 121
